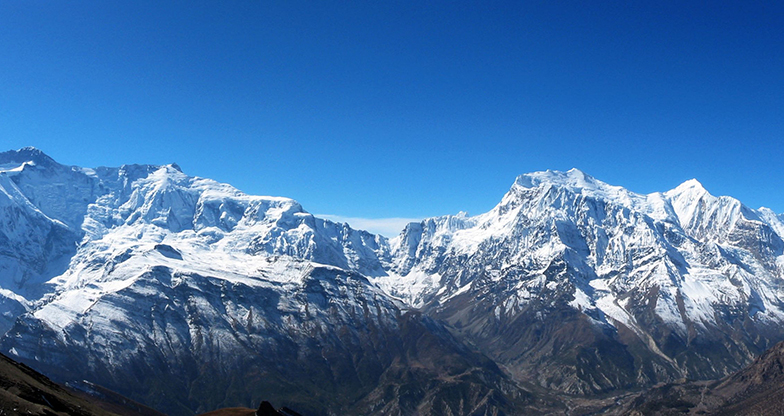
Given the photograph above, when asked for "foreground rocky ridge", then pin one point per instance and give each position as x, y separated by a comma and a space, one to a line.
25, 391
189, 295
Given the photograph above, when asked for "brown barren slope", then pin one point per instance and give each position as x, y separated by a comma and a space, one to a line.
25, 391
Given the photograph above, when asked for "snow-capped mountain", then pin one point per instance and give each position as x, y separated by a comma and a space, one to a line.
187, 294
608, 288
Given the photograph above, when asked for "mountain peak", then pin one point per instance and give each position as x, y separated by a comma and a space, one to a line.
691, 187
572, 178
691, 184
25, 155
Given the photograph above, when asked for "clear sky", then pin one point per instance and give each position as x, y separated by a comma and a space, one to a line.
381, 109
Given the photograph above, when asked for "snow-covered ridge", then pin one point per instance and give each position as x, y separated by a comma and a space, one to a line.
684, 241
113, 207
48, 210
577, 181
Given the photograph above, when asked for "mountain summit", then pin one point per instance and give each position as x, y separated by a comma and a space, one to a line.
26, 155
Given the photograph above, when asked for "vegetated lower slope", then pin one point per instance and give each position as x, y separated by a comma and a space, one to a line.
189, 295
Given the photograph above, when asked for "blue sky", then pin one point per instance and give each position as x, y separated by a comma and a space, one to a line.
403, 109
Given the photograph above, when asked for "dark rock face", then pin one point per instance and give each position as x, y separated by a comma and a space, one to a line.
548, 342
564, 351
433, 373
758, 389
168, 251
266, 409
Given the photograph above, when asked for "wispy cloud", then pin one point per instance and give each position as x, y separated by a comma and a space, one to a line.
388, 227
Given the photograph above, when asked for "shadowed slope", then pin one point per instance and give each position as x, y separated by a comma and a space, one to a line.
756, 390
25, 391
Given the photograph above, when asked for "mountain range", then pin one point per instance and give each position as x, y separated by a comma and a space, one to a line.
187, 295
